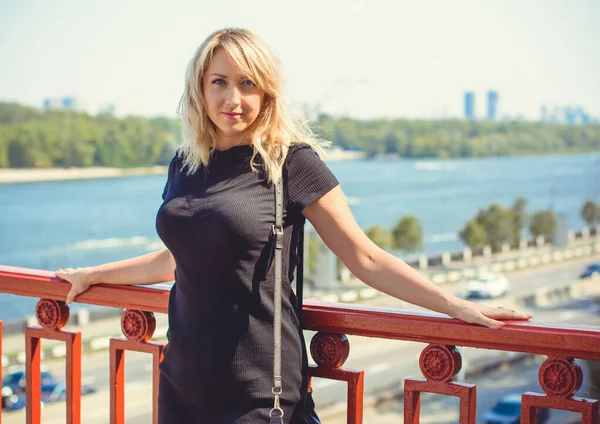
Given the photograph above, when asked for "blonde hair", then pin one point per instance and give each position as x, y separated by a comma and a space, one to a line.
276, 127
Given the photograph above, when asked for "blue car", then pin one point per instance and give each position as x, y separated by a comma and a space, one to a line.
13, 390
16, 382
508, 411
592, 271
11, 401
60, 392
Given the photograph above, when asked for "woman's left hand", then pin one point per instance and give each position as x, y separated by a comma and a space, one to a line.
485, 315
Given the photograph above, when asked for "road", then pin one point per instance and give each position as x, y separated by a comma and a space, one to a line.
386, 363
522, 282
437, 409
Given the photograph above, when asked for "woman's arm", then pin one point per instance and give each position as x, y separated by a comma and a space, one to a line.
333, 220
151, 268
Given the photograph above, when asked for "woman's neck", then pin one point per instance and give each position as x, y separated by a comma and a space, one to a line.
225, 142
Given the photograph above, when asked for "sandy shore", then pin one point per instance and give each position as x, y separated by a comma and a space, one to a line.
26, 175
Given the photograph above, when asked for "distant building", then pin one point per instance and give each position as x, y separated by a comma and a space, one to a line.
584, 117
555, 115
469, 105
54, 103
492, 105
543, 113
77, 105
64, 103
108, 109
570, 115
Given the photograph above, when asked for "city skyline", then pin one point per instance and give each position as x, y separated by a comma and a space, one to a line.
409, 62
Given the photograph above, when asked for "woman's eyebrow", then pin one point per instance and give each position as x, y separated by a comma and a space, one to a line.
219, 75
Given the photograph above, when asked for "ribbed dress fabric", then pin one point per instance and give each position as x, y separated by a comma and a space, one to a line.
218, 364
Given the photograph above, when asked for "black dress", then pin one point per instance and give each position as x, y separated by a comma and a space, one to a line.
218, 364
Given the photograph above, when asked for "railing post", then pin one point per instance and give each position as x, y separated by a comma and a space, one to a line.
330, 351
412, 407
560, 378
138, 328
117, 385
52, 316
439, 364
33, 386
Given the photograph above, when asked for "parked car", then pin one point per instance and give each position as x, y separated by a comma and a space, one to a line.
487, 286
16, 382
60, 392
592, 271
12, 401
53, 390
508, 411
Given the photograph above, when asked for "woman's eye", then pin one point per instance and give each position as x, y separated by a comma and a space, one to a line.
248, 82
219, 81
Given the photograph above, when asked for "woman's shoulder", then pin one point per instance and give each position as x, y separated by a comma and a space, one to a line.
300, 153
307, 175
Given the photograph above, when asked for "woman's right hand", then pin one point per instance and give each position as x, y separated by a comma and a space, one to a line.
80, 279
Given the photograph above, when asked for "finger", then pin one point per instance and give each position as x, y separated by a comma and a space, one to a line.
72, 295
503, 313
510, 314
491, 323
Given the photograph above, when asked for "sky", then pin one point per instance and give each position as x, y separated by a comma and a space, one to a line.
365, 59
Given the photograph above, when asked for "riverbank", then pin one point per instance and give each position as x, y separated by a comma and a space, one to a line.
29, 175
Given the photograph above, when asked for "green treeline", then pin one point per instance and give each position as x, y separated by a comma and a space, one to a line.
493, 226
33, 138
458, 138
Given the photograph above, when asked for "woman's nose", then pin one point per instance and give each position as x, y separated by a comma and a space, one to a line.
233, 95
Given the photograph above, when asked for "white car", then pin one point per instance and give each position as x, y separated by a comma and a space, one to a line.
488, 286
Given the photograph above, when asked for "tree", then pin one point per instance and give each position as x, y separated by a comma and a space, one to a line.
498, 224
544, 223
408, 234
495, 226
380, 236
591, 213
36, 138
519, 219
474, 235
313, 255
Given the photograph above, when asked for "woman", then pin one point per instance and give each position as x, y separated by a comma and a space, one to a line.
216, 222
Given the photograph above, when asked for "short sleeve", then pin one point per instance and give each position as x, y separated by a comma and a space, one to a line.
170, 175
308, 177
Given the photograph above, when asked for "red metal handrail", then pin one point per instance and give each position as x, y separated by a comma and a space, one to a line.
43, 284
576, 341
560, 342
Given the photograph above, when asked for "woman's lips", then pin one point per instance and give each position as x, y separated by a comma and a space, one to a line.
232, 116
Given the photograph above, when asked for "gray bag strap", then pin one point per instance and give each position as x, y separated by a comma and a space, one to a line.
276, 414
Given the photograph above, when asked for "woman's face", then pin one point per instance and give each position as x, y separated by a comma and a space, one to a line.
232, 100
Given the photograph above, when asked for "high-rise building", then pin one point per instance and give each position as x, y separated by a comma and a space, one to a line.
570, 115
64, 103
492, 105
543, 113
469, 105
107, 109
584, 117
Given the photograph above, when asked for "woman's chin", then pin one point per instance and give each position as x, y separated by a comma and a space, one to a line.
233, 130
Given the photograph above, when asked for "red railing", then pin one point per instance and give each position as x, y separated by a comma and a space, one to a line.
560, 376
